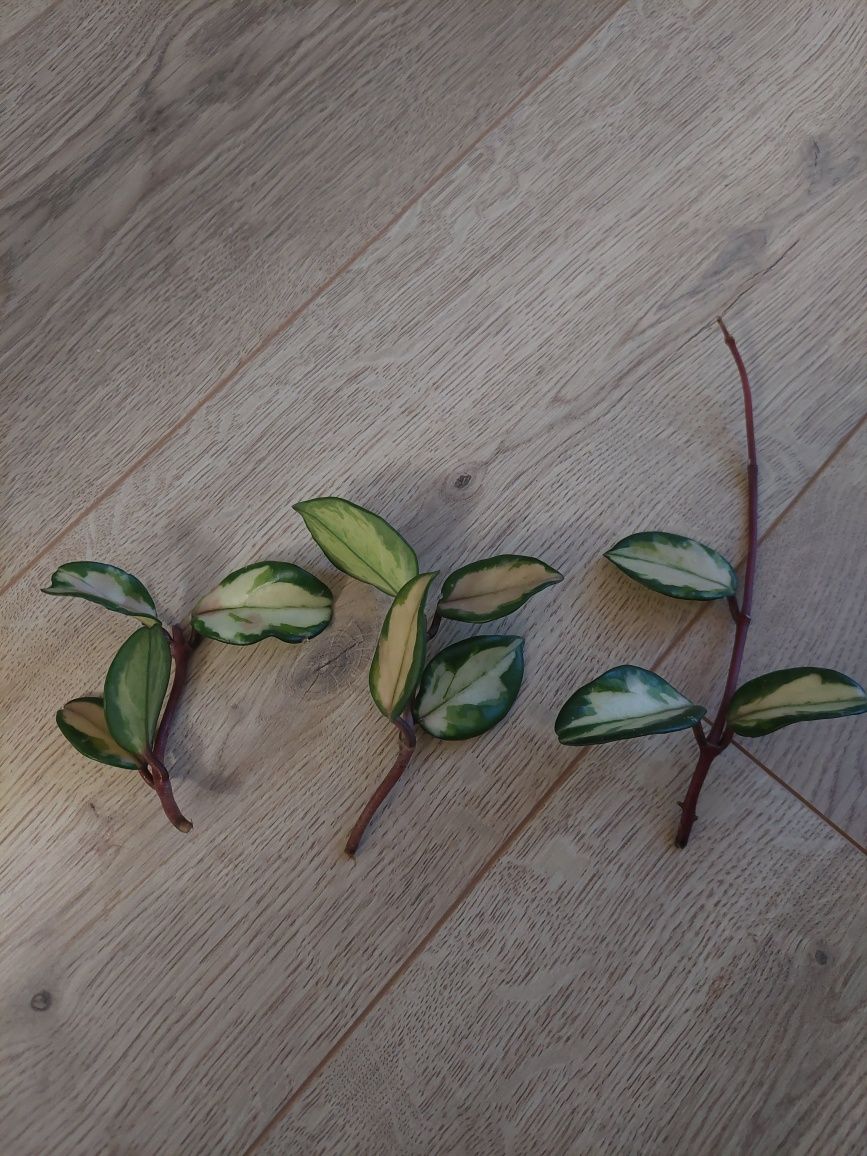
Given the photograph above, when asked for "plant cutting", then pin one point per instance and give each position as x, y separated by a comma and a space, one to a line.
128, 725
466, 688
629, 701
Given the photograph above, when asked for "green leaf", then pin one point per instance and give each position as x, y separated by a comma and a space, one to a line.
624, 703
107, 585
470, 686
399, 658
676, 566
265, 600
494, 587
135, 687
82, 722
360, 543
800, 694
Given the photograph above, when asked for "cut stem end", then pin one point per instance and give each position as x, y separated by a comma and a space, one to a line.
407, 747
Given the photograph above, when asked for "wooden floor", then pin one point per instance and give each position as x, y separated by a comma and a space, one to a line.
460, 263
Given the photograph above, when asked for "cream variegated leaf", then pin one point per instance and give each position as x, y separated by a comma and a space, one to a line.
82, 723
135, 687
624, 703
360, 543
799, 694
264, 600
106, 585
494, 587
399, 658
673, 565
468, 687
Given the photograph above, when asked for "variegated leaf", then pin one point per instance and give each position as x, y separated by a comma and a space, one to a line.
264, 600
624, 703
107, 585
135, 687
399, 658
360, 543
673, 565
470, 686
82, 722
799, 694
494, 587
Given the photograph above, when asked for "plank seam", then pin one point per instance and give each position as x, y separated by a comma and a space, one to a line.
801, 798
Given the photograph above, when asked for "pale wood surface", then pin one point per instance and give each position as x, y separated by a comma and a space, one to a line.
601, 992
176, 179
809, 611
539, 325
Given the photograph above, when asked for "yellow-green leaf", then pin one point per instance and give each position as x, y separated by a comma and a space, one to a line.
82, 723
399, 658
135, 687
494, 587
264, 600
360, 543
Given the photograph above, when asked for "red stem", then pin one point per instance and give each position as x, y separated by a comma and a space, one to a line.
181, 651
720, 736
407, 746
162, 784
154, 772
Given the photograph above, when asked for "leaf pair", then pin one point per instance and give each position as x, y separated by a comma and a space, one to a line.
119, 728
629, 701
365, 546
264, 600
464, 691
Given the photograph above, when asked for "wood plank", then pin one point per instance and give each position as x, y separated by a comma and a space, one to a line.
809, 611
601, 992
176, 180
15, 15
397, 380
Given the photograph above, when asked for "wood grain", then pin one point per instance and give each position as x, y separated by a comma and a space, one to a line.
176, 180
809, 611
601, 992
15, 15
514, 366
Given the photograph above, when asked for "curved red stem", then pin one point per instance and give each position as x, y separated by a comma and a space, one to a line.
181, 651
407, 747
719, 737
